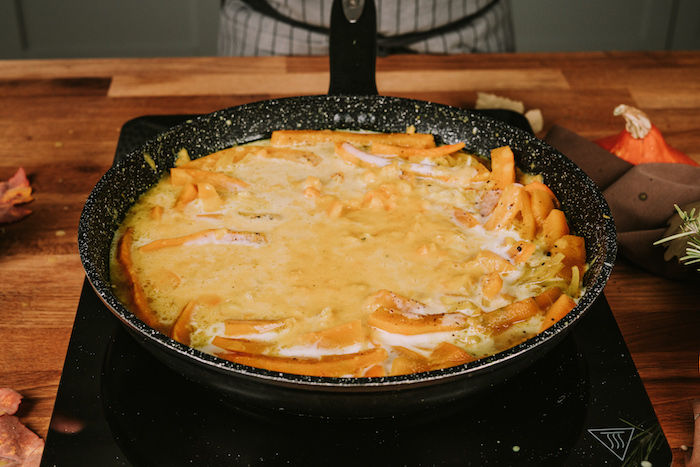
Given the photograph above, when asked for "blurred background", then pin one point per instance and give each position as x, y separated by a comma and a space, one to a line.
167, 28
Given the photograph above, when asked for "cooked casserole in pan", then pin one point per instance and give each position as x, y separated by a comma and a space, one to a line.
334, 253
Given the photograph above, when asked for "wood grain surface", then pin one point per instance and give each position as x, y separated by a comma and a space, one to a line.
60, 120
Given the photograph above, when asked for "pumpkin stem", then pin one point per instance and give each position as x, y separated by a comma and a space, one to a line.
636, 122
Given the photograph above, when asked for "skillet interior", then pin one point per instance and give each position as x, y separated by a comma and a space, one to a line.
586, 210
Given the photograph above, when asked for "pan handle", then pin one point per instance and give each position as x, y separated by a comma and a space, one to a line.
353, 48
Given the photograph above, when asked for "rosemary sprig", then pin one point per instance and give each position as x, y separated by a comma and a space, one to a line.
690, 227
648, 441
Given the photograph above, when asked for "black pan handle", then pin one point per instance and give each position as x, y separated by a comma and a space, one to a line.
353, 48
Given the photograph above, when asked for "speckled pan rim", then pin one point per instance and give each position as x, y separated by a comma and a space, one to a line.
450, 124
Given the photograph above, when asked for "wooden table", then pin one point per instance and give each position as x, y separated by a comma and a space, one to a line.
60, 120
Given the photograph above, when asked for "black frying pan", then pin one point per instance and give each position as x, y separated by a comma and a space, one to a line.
351, 104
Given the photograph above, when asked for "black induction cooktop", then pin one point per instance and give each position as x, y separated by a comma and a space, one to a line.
582, 404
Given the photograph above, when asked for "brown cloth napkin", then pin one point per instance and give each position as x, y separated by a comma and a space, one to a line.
641, 199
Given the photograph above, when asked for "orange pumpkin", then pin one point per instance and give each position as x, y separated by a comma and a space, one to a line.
641, 141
